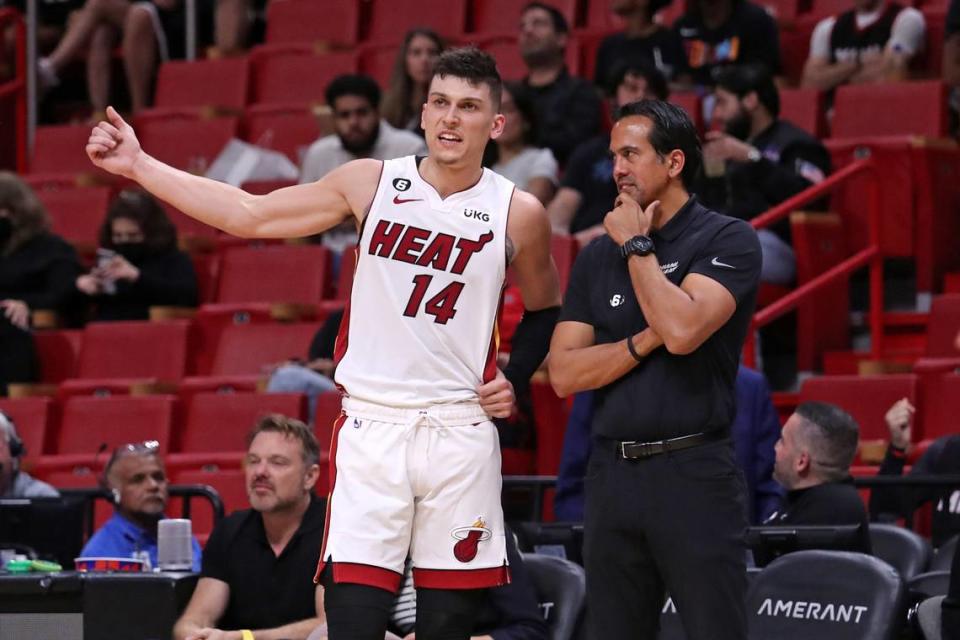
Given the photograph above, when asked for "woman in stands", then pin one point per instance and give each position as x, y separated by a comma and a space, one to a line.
37, 270
139, 265
411, 76
514, 157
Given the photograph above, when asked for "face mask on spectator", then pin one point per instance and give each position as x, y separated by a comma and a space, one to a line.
134, 252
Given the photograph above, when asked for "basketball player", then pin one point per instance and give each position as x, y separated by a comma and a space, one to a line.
415, 462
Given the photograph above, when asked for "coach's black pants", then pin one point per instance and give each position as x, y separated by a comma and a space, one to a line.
673, 522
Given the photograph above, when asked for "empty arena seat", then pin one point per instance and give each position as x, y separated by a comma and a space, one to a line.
806, 109
318, 22
940, 394
389, 19
550, 415
229, 484
909, 108
58, 352
692, 104
561, 591
186, 140
865, 398
943, 326
221, 422
328, 410
134, 350
282, 273
289, 129
929, 584
828, 595
33, 418
377, 61
76, 213
296, 73
248, 349
59, 149
901, 548
503, 16
217, 83
943, 557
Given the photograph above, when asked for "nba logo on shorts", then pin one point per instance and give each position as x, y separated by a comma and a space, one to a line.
401, 184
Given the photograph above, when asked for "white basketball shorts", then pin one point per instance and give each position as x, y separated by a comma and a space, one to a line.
419, 482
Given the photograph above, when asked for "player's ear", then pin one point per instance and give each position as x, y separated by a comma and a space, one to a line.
497, 127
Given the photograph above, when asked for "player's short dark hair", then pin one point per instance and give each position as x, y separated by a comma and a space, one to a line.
559, 21
672, 129
473, 65
354, 85
291, 428
832, 436
656, 82
743, 79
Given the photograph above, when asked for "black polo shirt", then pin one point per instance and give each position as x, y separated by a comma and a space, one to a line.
266, 591
668, 395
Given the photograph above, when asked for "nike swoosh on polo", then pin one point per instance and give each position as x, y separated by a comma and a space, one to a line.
399, 200
717, 263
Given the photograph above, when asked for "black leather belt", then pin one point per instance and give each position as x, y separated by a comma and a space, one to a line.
632, 450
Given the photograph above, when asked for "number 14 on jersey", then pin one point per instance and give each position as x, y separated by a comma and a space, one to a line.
441, 306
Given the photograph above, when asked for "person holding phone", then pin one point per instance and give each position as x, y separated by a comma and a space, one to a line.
138, 263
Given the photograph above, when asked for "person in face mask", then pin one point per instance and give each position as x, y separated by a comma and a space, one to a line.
37, 270
754, 160
138, 264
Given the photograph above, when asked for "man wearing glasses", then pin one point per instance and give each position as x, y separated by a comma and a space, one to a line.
137, 482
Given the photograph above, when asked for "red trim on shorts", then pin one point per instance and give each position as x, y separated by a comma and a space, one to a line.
461, 578
337, 425
366, 574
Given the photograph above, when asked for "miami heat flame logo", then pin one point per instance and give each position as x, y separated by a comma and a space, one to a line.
469, 539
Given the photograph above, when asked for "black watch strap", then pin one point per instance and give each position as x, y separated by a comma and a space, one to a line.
637, 246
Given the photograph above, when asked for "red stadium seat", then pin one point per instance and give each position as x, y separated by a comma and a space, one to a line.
318, 22
930, 60
943, 326
795, 46
509, 62
564, 250
185, 139
77, 213
221, 422
389, 20
866, 398
503, 16
229, 484
219, 83
225, 385
909, 108
377, 61
33, 418
941, 406
58, 352
550, 415
328, 410
134, 350
782, 10
207, 268
824, 8
59, 149
248, 349
692, 104
296, 73
804, 108
283, 273
289, 129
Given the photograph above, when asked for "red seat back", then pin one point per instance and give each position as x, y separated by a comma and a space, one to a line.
282, 273
296, 73
76, 213
60, 149
804, 108
185, 140
247, 349
32, 418
89, 422
941, 406
944, 326
503, 16
866, 398
313, 21
59, 353
221, 422
229, 484
289, 129
214, 82
134, 350
328, 410
908, 108
389, 20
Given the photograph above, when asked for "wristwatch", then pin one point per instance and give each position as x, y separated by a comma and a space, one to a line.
754, 155
637, 246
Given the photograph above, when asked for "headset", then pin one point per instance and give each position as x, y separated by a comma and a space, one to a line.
17, 449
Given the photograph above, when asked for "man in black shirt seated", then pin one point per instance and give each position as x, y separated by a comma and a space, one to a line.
257, 577
814, 453
942, 457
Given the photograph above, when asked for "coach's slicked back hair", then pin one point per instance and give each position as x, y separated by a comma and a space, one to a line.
475, 66
672, 129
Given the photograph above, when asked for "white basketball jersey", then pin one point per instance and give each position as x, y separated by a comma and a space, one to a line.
420, 327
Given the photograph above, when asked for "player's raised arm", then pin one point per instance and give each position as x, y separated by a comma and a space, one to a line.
286, 213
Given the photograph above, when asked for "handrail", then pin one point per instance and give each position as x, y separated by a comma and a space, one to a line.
870, 256
19, 83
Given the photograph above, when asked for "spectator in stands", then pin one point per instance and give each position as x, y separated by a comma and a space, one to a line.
762, 160
950, 607
258, 564
234, 20
755, 430
139, 266
872, 42
315, 376
509, 613
137, 482
410, 79
588, 191
151, 30
942, 457
642, 39
716, 33
567, 107
814, 453
515, 155
15, 483
52, 16
37, 271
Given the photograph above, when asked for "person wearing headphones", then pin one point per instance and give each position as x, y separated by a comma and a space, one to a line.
15, 483
136, 479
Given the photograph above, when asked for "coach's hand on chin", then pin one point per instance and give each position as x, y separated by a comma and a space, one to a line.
497, 397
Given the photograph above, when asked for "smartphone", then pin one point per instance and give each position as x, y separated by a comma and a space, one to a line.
104, 256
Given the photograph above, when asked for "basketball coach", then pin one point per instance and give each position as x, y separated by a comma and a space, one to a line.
654, 319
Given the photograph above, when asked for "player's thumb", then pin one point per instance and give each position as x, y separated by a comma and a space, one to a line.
115, 118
